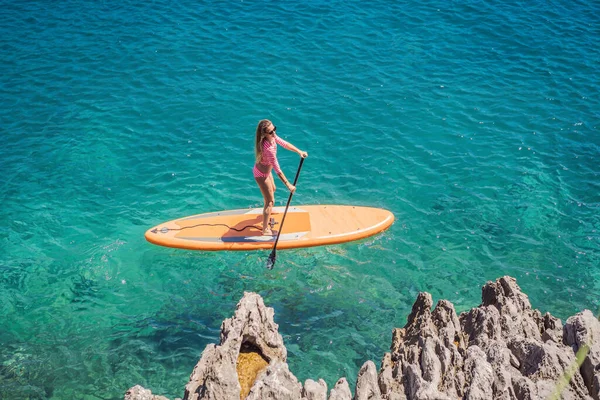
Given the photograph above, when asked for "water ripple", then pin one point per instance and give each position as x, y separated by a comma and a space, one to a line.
475, 123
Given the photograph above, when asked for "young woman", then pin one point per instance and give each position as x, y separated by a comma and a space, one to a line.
265, 150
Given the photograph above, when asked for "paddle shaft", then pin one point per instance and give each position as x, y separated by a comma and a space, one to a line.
287, 205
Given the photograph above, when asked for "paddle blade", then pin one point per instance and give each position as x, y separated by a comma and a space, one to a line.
271, 260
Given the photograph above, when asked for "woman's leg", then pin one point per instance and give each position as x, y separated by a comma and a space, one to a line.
272, 182
266, 188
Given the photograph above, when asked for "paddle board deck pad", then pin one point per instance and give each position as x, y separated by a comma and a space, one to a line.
304, 226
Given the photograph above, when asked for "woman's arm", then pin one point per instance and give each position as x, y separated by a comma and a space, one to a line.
290, 147
293, 148
287, 183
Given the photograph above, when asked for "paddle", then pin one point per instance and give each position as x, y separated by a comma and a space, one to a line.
273, 255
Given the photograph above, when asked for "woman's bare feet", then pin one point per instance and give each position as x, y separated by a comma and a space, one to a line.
267, 232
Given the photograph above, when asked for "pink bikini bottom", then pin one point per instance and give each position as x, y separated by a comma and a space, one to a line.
258, 174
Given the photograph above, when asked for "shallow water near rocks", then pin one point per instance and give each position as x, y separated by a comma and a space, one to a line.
475, 123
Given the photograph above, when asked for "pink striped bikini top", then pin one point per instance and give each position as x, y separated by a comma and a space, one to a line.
269, 152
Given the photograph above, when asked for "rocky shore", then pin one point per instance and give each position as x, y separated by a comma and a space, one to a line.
502, 349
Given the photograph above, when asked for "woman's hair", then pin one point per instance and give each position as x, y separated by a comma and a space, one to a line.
260, 134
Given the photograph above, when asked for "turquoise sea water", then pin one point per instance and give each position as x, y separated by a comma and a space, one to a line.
476, 123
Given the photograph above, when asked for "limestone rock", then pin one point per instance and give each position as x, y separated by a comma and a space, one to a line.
480, 373
314, 390
389, 380
215, 375
341, 390
276, 383
552, 329
501, 350
583, 329
253, 322
367, 387
425, 358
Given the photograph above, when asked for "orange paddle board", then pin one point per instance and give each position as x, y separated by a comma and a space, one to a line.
304, 226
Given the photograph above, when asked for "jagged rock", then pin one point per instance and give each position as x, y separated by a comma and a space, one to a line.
419, 320
481, 325
426, 352
448, 325
254, 323
139, 393
418, 388
389, 380
481, 375
215, 375
505, 365
552, 329
583, 329
501, 350
367, 387
524, 388
505, 311
341, 390
505, 320
314, 390
277, 383
516, 315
